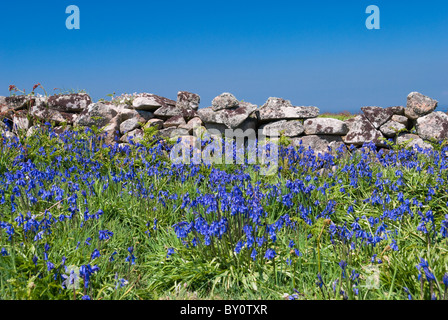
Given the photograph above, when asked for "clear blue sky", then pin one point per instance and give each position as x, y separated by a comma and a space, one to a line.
311, 52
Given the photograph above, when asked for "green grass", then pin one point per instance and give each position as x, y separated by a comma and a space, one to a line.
151, 188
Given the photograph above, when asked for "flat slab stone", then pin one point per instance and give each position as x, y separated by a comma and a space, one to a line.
293, 128
362, 131
377, 115
232, 118
151, 102
76, 102
318, 143
280, 109
325, 126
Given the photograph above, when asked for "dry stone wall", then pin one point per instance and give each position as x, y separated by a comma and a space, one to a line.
417, 123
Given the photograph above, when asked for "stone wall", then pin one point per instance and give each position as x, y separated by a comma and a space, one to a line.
416, 123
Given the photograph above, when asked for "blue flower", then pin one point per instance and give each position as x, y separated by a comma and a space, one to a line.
95, 254
270, 254
4, 252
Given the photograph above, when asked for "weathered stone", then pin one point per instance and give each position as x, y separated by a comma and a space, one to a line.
190, 125
21, 121
158, 123
98, 114
433, 126
232, 118
188, 100
172, 111
377, 115
172, 133
397, 110
419, 105
129, 125
293, 128
175, 121
2, 101
318, 143
325, 126
111, 132
214, 128
76, 102
51, 115
280, 109
400, 119
225, 101
413, 140
390, 128
135, 135
20, 102
362, 131
151, 102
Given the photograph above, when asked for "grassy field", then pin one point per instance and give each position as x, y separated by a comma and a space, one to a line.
82, 220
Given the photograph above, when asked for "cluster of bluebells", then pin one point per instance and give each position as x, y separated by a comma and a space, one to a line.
229, 211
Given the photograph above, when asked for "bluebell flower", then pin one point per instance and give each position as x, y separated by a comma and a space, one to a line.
95, 254
270, 254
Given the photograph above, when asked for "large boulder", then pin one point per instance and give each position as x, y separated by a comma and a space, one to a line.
98, 114
281, 109
325, 126
188, 100
318, 143
362, 131
400, 119
419, 105
167, 112
151, 102
232, 118
76, 102
433, 126
293, 128
377, 115
225, 101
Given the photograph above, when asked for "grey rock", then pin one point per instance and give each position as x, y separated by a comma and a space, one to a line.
187, 100
391, 128
158, 123
76, 102
318, 143
362, 131
136, 136
377, 115
129, 125
413, 140
20, 102
400, 119
433, 126
98, 114
280, 109
293, 128
225, 101
397, 110
172, 133
192, 124
111, 132
151, 102
232, 118
419, 105
172, 111
21, 121
175, 121
52, 115
325, 126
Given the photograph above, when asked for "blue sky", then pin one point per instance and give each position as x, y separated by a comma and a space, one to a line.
313, 53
